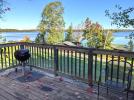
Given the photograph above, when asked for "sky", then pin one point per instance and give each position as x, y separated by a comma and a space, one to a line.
26, 14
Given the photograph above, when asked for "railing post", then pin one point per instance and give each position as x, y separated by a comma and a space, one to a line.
56, 61
90, 67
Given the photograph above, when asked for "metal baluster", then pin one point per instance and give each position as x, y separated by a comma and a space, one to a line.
75, 63
61, 60
38, 58
71, 62
64, 63
42, 57
100, 67
12, 54
9, 55
112, 68
51, 57
117, 77
79, 64
48, 57
45, 59
95, 67
84, 65
107, 68
15, 59
67, 61
124, 71
5, 56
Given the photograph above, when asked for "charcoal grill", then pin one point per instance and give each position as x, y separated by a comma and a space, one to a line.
22, 55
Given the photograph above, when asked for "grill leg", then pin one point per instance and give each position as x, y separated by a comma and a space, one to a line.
16, 70
107, 89
23, 68
127, 95
98, 91
31, 68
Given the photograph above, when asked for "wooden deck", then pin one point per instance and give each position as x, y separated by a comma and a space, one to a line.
43, 86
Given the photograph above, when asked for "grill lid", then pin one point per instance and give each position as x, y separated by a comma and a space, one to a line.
22, 55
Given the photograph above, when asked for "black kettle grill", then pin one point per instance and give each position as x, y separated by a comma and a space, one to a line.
22, 55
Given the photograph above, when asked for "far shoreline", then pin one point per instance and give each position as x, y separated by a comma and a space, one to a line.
75, 30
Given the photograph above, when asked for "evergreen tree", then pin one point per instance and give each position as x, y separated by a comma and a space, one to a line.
69, 36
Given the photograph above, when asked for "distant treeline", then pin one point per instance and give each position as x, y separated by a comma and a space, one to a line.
75, 30
105, 30
119, 30
16, 30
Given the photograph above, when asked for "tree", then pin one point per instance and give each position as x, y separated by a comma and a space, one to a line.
123, 18
40, 38
53, 23
87, 27
93, 32
3, 8
25, 39
69, 36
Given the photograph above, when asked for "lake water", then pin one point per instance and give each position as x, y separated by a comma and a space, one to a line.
17, 36
119, 37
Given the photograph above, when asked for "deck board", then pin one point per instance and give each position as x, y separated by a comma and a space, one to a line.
13, 89
19, 90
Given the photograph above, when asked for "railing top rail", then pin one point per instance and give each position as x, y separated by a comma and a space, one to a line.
74, 48
94, 50
10, 44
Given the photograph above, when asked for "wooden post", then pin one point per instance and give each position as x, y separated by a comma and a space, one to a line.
90, 67
55, 61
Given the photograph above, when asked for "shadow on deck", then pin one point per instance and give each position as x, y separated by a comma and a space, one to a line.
40, 85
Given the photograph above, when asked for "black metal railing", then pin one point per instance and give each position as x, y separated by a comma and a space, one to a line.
86, 64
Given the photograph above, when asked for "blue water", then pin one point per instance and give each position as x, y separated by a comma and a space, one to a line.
17, 36
119, 37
